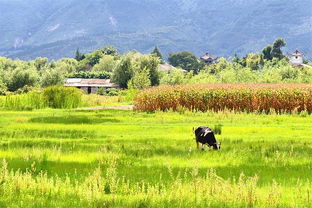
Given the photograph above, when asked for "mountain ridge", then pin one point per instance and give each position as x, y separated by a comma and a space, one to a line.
56, 29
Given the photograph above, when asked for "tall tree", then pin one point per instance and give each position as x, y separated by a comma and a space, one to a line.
156, 52
79, 56
140, 79
150, 63
267, 52
254, 61
185, 60
277, 45
110, 50
274, 51
123, 72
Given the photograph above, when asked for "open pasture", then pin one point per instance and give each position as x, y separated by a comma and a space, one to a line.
116, 158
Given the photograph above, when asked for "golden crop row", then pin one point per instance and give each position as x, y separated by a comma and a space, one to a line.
218, 97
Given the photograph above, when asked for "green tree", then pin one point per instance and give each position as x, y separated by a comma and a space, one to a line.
267, 53
21, 77
150, 63
123, 71
90, 60
41, 63
185, 60
79, 56
236, 59
52, 77
156, 52
110, 50
107, 63
67, 65
3, 87
140, 80
277, 45
254, 61
173, 77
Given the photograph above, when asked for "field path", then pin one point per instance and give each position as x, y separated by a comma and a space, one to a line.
121, 107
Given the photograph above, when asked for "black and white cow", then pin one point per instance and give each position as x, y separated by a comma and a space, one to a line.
205, 135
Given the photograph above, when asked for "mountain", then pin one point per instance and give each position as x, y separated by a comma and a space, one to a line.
55, 29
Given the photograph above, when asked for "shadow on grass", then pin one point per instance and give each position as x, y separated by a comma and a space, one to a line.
284, 175
72, 120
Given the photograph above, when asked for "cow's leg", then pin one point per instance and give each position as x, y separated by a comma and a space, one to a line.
203, 147
197, 143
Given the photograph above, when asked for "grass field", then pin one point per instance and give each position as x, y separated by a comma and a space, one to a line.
116, 158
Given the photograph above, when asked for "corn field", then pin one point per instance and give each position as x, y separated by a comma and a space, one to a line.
281, 98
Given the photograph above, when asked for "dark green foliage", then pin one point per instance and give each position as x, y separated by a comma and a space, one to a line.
267, 52
277, 45
21, 77
79, 56
3, 87
62, 97
52, 77
90, 75
150, 63
274, 51
185, 60
156, 52
93, 58
140, 80
41, 63
218, 129
110, 50
123, 72
236, 59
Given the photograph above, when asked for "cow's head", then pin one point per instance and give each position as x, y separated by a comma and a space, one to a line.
217, 146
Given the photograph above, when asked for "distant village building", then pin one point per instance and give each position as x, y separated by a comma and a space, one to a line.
296, 58
208, 59
90, 85
166, 67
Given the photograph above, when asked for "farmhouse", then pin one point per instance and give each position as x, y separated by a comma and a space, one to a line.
208, 59
296, 58
90, 85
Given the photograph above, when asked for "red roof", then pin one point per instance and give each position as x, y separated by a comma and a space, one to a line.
296, 53
208, 56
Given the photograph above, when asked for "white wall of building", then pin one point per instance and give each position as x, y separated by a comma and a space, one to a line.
296, 60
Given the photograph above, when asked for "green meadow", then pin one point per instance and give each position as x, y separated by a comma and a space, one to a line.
120, 158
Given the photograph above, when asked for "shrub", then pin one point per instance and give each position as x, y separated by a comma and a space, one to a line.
28, 101
62, 97
91, 75
237, 97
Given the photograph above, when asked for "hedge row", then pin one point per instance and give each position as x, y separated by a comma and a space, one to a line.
218, 97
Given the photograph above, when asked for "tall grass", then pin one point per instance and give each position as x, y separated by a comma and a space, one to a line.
53, 97
29, 101
62, 97
103, 188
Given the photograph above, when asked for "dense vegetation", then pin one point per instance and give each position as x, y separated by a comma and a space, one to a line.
50, 97
70, 158
135, 70
281, 98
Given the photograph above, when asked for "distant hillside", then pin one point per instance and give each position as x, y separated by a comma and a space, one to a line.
223, 27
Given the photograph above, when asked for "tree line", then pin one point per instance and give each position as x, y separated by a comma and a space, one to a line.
136, 70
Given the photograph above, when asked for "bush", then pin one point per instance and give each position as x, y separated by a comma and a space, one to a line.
91, 75
28, 101
218, 97
21, 77
62, 97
